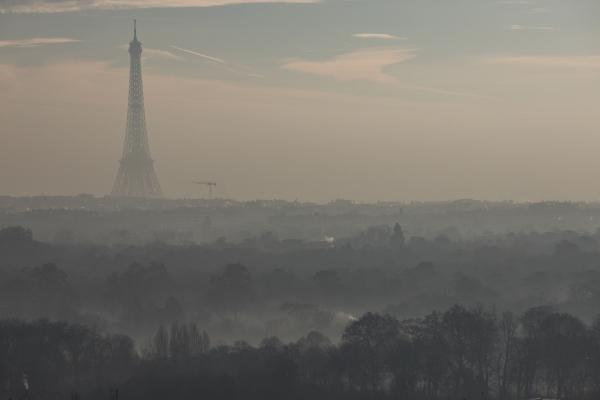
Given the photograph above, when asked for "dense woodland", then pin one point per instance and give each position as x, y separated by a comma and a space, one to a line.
382, 312
460, 353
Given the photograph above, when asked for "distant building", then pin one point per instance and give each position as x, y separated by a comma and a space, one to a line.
136, 176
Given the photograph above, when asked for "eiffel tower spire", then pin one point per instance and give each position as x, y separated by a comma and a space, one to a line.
136, 176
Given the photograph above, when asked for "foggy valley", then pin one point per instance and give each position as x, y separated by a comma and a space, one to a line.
248, 291
299, 199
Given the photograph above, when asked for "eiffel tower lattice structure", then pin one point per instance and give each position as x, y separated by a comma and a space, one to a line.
136, 176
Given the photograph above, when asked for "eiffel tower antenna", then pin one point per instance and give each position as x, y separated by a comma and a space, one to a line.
136, 176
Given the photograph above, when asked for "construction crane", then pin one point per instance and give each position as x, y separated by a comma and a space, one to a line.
210, 186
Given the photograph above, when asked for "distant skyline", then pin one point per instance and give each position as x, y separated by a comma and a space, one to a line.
311, 100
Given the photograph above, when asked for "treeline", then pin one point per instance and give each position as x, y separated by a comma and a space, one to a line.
462, 353
234, 291
55, 360
180, 341
106, 220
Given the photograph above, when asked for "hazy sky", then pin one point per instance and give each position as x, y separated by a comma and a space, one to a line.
311, 100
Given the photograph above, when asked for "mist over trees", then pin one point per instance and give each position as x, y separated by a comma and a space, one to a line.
131, 221
391, 309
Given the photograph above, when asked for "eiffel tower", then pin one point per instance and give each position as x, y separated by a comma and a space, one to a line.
136, 176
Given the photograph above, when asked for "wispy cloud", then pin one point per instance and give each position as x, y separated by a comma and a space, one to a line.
150, 52
236, 69
201, 55
537, 9
55, 6
163, 54
516, 2
370, 65
541, 10
580, 62
382, 36
531, 28
36, 42
366, 64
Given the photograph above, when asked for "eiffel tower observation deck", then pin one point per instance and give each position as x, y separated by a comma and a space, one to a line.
136, 176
